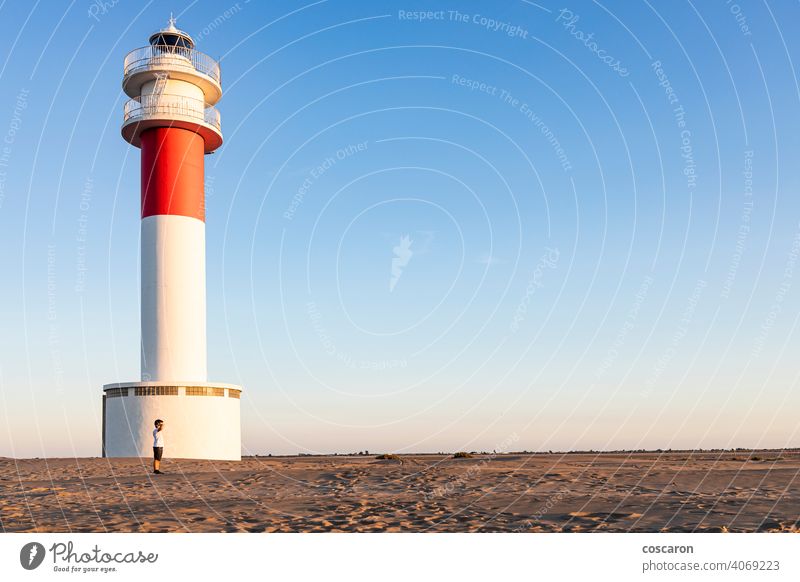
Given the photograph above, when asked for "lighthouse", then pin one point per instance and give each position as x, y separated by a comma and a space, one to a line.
171, 118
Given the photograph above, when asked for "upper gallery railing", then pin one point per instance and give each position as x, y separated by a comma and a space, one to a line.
154, 56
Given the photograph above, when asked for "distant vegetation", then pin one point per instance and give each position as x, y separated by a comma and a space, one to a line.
740, 453
388, 456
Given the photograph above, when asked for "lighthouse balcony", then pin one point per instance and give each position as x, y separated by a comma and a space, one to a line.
147, 63
166, 110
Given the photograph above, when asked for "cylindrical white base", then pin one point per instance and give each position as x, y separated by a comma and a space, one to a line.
195, 426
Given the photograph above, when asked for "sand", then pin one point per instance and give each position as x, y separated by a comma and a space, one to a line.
645, 492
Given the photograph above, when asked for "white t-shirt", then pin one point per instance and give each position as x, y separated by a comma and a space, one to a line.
158, 438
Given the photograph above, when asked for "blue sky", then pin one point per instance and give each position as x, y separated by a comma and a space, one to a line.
598, 202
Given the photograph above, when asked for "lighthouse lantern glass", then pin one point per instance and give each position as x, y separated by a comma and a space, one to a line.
171, 42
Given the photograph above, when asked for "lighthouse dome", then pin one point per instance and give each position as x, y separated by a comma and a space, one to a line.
171, 36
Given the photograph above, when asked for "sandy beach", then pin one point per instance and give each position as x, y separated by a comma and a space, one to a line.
645, 492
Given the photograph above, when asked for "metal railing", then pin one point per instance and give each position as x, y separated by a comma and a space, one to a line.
170, 57
153, 106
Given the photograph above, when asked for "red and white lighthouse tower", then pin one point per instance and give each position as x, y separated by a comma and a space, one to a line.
171, 117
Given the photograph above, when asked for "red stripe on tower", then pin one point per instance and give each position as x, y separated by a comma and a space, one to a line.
172, 172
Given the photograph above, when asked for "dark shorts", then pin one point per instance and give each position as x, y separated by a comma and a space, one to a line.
157, 452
